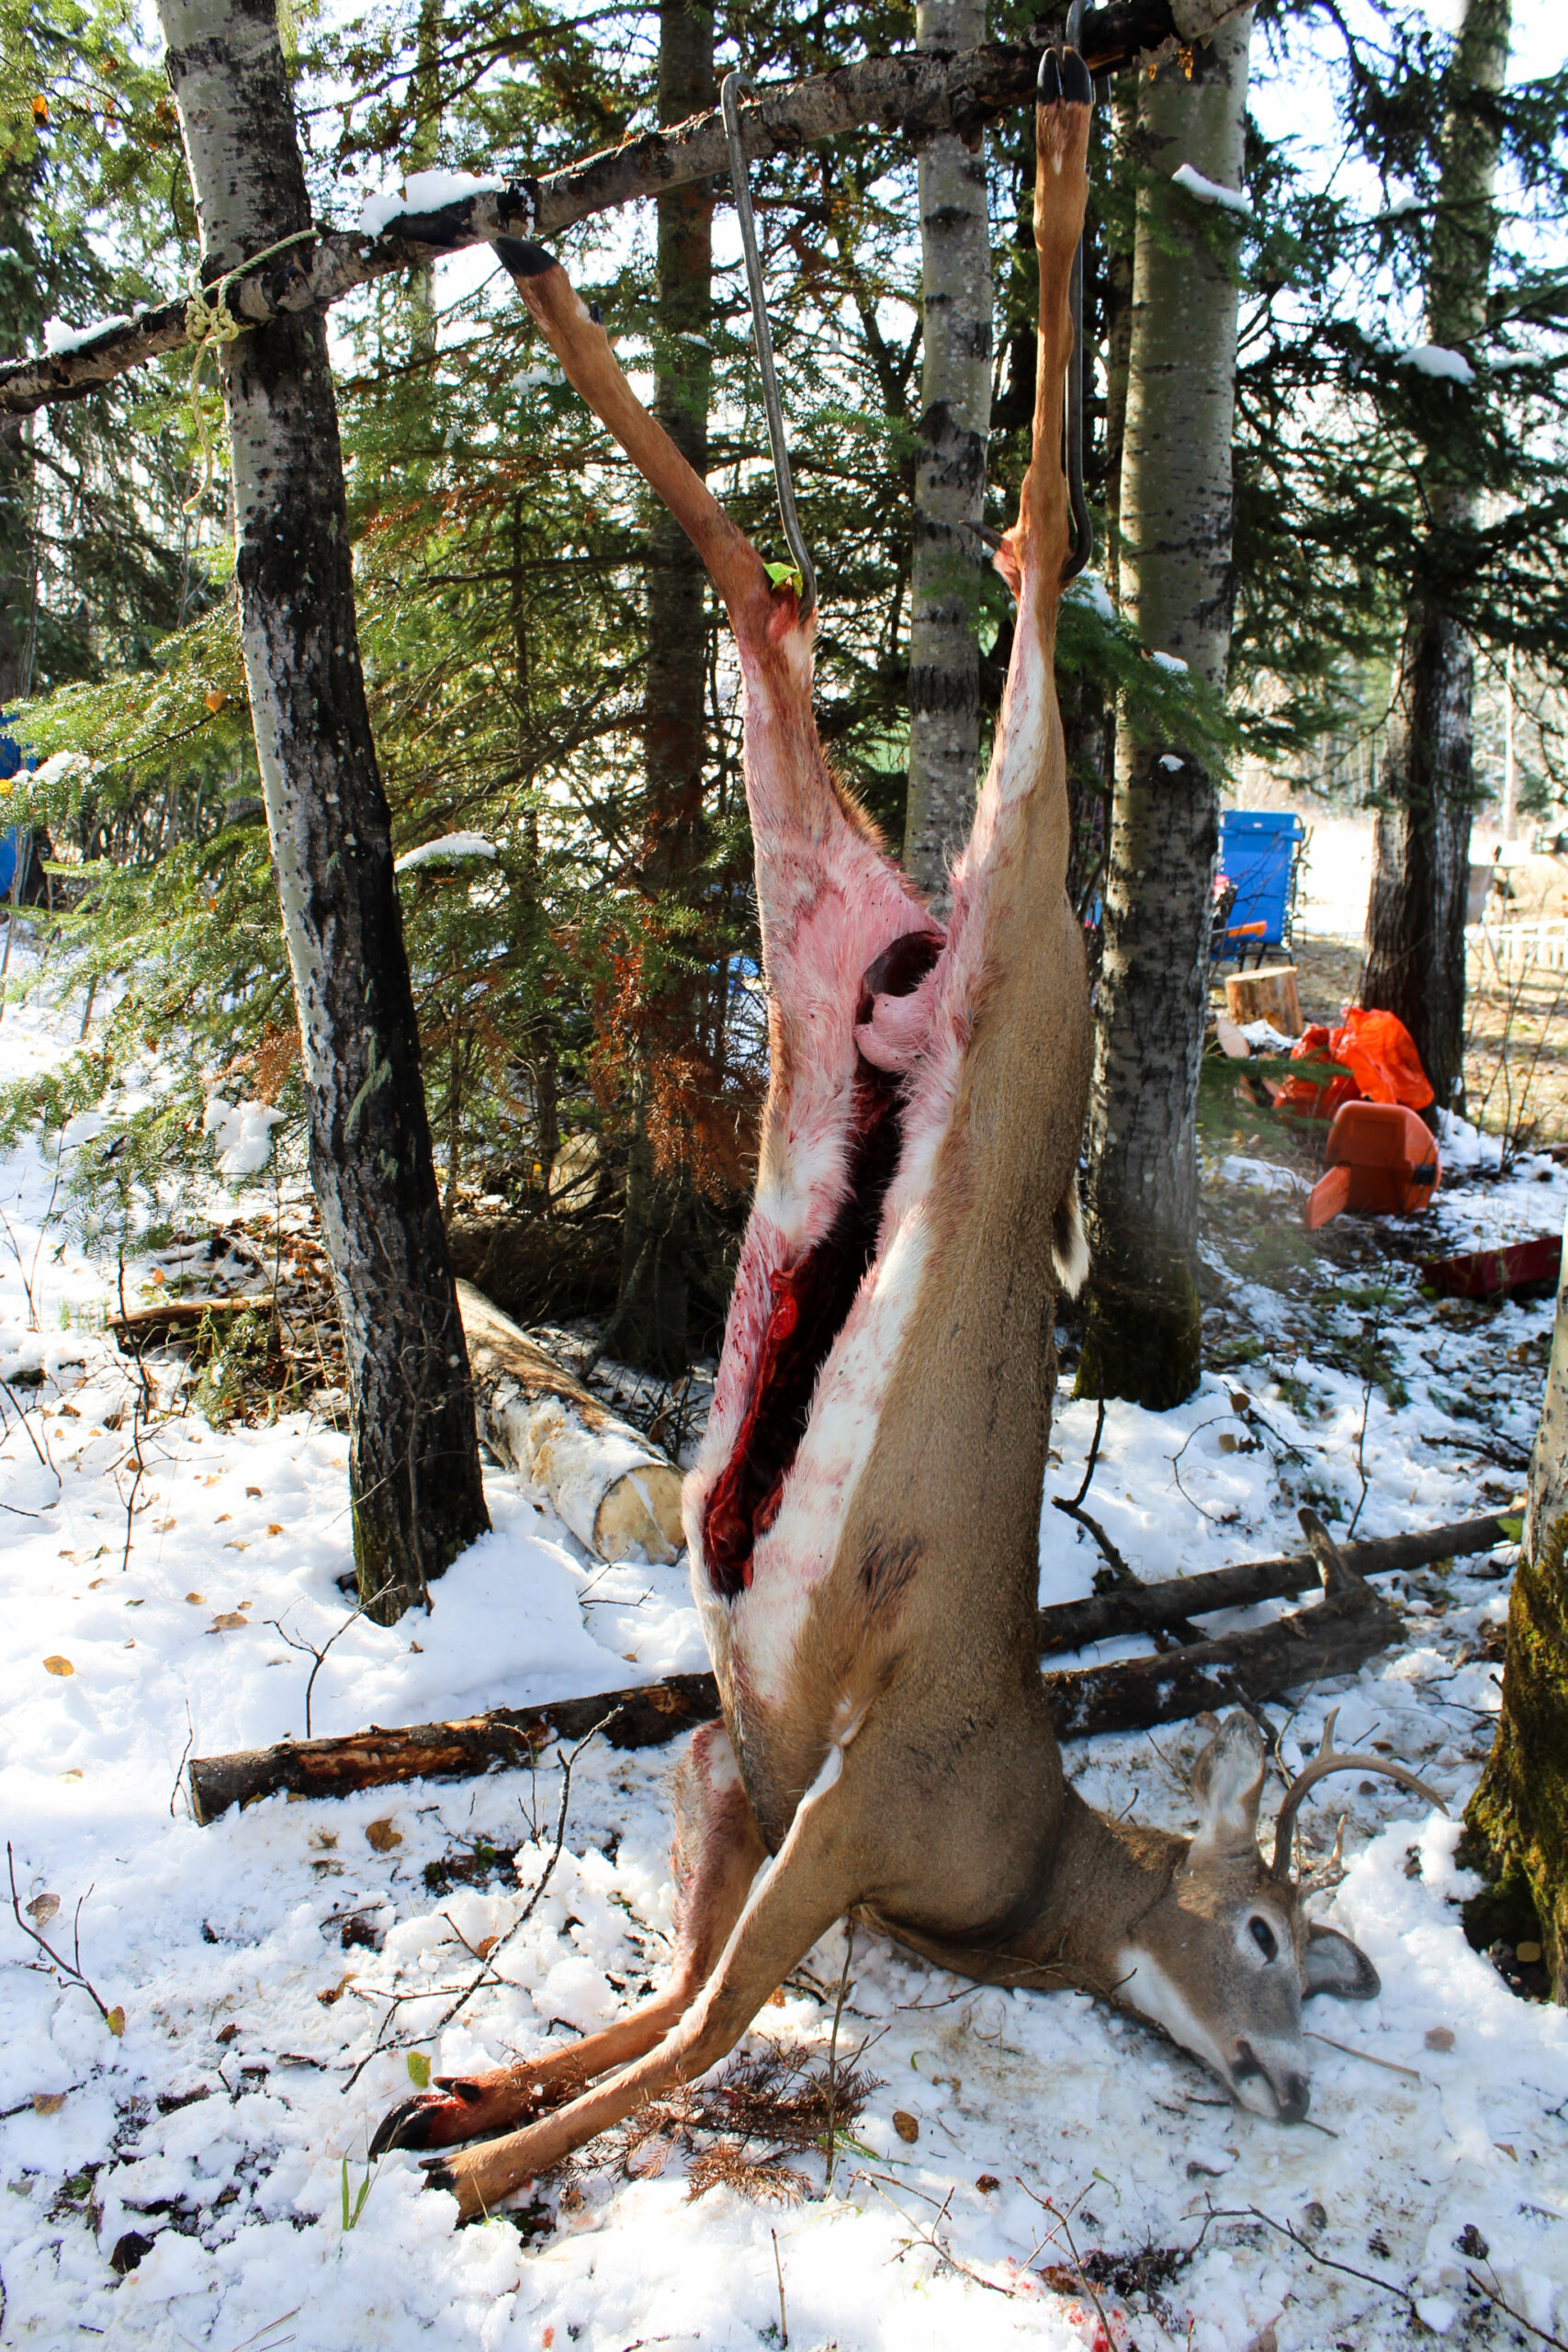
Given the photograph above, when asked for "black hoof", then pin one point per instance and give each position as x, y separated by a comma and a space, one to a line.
1077, 87
523, 259
409, 2125
459, 2088
438, 2173
1050, 84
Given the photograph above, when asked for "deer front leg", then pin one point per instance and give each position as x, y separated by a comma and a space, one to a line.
792, 1901
717, 1852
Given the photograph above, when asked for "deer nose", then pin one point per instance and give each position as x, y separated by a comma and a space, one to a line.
1294, 2095
1291, 2093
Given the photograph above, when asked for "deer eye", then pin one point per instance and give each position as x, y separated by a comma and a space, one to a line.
1263, 1937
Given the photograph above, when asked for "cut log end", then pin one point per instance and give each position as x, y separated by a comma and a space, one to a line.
1272, 994
641, 1512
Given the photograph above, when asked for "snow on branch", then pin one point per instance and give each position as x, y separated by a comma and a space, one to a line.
1207, 191
918, 95
447, 851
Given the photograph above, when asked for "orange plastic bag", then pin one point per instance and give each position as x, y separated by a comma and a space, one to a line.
1378, 1051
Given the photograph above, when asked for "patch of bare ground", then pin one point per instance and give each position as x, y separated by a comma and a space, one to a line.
1516, 1062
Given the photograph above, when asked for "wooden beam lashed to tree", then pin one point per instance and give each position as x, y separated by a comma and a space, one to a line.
914, 94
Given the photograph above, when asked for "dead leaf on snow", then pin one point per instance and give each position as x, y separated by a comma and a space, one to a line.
229, 1621
197, 1600
275, 1529
905, 2126
1439, 2037
58, 1666
43, 1908
253, 1493
48, 2102
382, 1836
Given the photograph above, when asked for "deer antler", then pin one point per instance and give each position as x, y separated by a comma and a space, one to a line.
1330, 1758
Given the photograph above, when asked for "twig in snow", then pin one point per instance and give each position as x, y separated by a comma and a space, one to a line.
1370, 1344
488, 1972
1075, 1510
22, 1415
310, 1649
833, 2048
26, 1283
1323, 2261
1062, 2236
1093, 1452
139, 1468
1350, 2051
1118, 1565
1541, 2334
1215, 1519
179, 1769
71, 1970
784, 2319
926, 2233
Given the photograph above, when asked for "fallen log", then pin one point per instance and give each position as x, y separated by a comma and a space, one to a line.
1349, 1625
1147, 1609
616, 1491
379, 1757
140, 1326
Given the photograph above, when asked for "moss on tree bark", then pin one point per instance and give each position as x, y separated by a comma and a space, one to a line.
1516, 1824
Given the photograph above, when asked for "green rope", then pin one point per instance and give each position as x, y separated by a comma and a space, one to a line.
209, 323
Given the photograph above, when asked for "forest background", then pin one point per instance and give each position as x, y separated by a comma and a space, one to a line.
575, 880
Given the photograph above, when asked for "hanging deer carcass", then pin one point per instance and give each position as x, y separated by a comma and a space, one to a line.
864, 1519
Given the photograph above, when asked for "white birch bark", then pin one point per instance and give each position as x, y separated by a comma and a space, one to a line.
1175, 503
950, 474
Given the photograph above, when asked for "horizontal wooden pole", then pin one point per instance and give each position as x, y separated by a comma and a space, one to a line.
913, 94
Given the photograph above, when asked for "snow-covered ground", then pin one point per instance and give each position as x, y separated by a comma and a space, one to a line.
254, 1961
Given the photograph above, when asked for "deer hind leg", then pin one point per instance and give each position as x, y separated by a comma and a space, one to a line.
718, 1852
792, 1902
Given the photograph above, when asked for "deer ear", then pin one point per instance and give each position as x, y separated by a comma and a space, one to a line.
1334, 1964
1227, 1780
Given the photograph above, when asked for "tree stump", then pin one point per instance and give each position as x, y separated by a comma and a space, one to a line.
1268, 995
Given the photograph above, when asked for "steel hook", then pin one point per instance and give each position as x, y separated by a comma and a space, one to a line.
728, 98
1082, 547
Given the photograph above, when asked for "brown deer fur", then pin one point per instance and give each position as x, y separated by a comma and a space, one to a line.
864, 1519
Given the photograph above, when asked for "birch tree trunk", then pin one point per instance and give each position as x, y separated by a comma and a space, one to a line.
950, 474
21, 317
1144, 1329
1517, 1822
651, 1316
413, 1459
1421, 867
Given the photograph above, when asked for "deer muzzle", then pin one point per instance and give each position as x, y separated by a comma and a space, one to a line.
1279, 2089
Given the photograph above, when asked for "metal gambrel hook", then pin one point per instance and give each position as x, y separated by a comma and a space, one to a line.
728, 97
1083, 528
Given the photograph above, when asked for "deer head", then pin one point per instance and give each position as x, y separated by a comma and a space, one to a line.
1225, 1956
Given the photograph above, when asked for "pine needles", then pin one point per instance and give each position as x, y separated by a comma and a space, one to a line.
739, 2131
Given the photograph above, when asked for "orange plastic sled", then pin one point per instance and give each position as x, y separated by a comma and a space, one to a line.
1381, 1160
